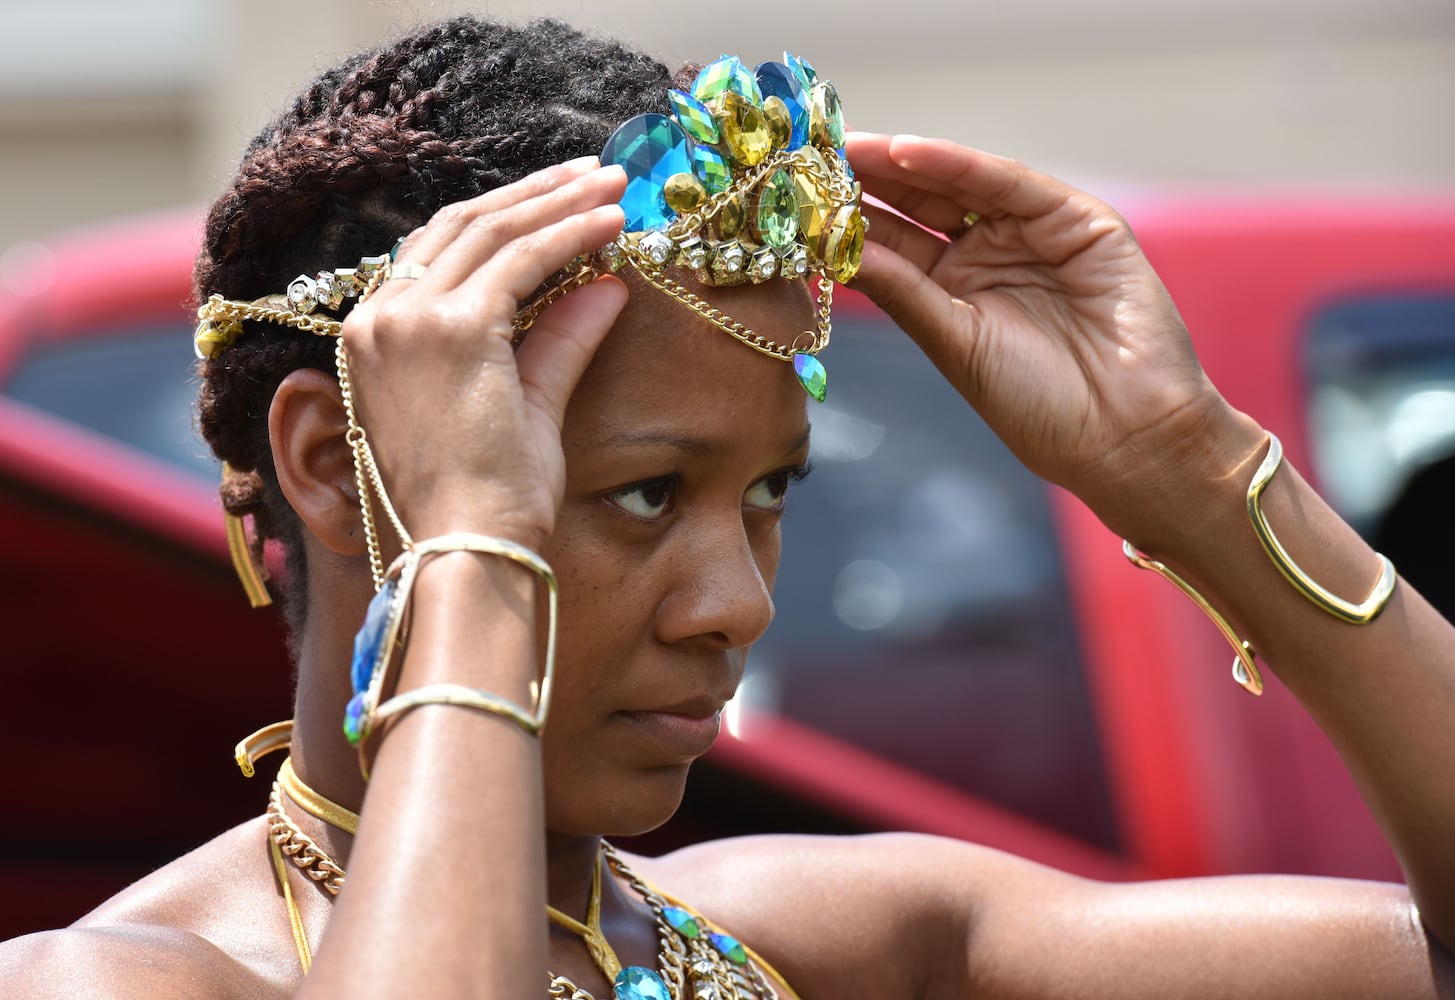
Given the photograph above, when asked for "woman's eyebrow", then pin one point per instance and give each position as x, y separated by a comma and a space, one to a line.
688, 443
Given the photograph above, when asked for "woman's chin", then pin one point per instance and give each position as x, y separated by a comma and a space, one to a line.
634, 807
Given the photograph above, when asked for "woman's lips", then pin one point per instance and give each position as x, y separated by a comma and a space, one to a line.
678, 734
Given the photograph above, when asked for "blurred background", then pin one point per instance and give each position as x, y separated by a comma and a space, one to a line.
959, 650
110, 108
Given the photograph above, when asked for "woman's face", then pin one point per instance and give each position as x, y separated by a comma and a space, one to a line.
680, 445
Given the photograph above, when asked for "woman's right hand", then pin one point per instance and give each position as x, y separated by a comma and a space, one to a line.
465, 428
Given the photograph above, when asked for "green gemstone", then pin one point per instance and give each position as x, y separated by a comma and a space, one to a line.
726, 75
811, 375
777, 221
681, 921
694, 116
827, 116
730, 948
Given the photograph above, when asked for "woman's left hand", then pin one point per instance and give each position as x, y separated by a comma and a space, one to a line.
1047, 318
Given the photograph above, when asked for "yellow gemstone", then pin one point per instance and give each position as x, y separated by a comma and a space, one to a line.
732, 216
744, 129
814, 210
844, 244
780, 121
684, 193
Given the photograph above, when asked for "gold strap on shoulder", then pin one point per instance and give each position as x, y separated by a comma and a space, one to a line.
295, 919
251, 749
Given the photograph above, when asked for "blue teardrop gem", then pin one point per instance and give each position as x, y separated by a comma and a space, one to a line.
730, 948
681, 921
777, 80
811, 375
369, 641
354, 720
650, 148
711, 168
801, 69
638, 983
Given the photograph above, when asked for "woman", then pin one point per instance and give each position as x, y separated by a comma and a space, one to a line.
645, 454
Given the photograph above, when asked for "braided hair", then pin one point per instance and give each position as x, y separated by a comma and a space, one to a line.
369, 151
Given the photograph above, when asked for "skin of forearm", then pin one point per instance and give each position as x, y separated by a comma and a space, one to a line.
1384, 692
447, 875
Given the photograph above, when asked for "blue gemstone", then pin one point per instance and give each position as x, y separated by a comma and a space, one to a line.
651, 148
681, 921
777, 80
369, 641
811, 375
844, 159
354, 719
637, 983
711, 168
730, 948
801, 69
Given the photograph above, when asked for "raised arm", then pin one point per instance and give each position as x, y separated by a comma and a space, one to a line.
1046, 316
424, 915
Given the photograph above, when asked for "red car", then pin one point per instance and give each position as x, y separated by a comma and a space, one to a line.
958, 649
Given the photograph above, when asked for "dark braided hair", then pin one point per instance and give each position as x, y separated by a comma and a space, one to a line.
366, 153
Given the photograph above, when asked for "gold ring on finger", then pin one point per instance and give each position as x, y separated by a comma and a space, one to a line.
969, 219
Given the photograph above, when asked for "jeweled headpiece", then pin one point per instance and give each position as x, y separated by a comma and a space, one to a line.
744, 181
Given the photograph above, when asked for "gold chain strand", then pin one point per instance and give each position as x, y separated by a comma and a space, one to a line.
300, 848
355, 439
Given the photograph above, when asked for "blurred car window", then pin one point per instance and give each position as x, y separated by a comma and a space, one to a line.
134, 384
923, 611
1381, 375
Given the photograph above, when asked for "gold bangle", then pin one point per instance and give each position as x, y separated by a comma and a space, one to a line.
1355, 614
458, 694
461, 541
1245, 669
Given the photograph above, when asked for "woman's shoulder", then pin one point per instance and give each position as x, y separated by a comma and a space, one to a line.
200, 926
808, 904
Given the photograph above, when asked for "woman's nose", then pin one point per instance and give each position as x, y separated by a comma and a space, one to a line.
720, 594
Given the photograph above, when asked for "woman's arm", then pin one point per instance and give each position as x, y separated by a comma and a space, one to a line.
429, 911
1048, 319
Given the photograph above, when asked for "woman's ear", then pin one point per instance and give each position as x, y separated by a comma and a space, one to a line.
307, 427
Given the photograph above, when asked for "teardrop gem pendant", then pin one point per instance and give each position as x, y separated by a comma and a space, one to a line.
811, 375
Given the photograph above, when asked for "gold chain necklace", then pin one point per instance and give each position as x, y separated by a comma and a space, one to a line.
696, 960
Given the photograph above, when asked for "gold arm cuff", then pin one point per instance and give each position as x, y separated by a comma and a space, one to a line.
465, 697
1355, 614
1245, 668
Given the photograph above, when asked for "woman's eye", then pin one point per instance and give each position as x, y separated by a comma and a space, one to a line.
771, 492
648, 501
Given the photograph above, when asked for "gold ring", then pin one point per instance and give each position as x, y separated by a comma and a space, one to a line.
969, 219
407, 270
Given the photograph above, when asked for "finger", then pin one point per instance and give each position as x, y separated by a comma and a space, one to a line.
487, 233
907, 192
922, 309
561, 344
521, 266
426, 243
920, 246
968, 176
